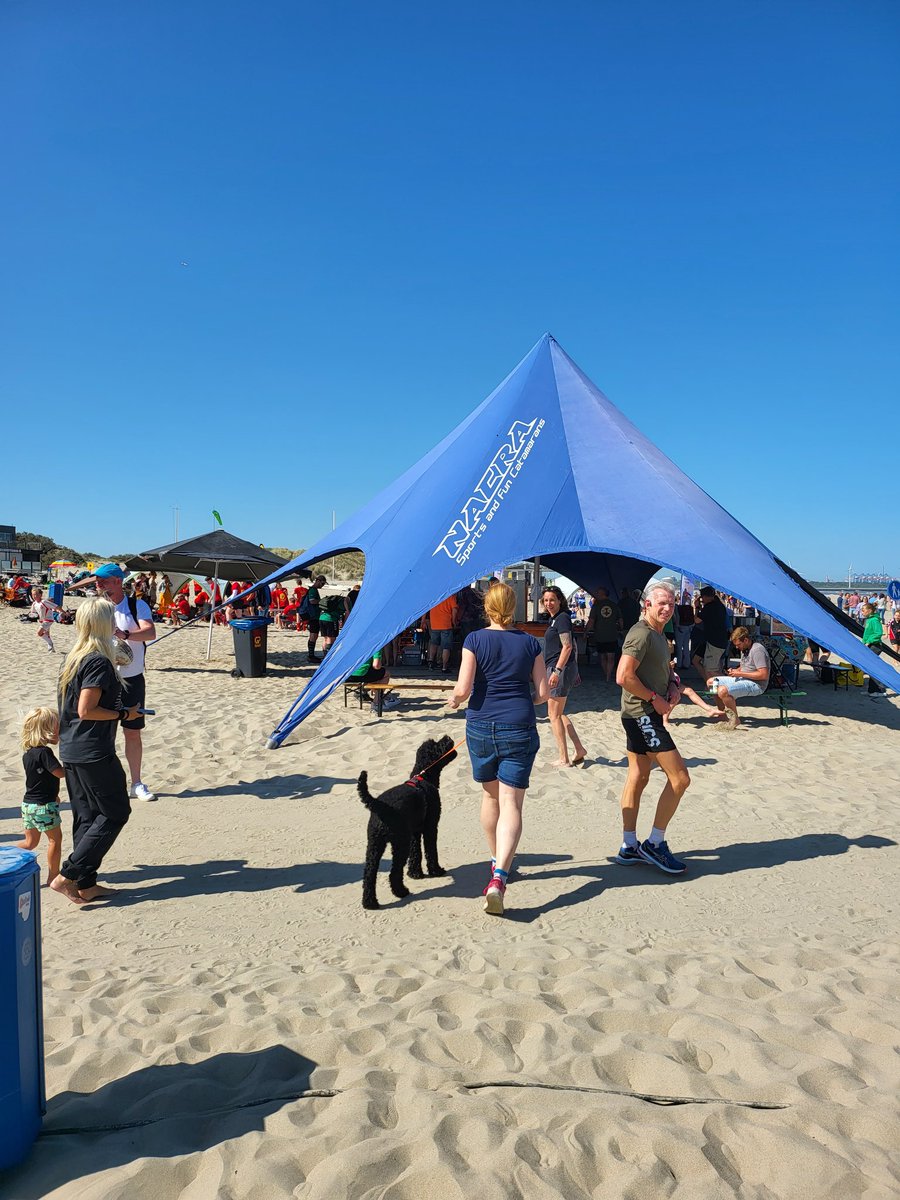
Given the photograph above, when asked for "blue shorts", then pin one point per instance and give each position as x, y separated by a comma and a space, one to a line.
504, 752
442, 638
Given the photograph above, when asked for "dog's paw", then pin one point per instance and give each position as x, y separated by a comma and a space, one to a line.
401, 892
371, 904
433, 873
415, 873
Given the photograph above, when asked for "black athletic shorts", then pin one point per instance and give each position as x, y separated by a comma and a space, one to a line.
312, 626
133, 695
647, 734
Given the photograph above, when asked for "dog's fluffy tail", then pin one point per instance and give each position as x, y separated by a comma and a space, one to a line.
362, 786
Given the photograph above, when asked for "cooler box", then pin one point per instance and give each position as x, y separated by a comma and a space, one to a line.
251, 635
55, 593
22, 1097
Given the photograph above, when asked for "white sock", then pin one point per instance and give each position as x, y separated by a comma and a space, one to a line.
629, 838
656, 836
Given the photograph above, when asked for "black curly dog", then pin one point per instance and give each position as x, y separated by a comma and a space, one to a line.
403, 817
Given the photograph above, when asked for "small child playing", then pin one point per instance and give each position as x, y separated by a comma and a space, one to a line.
43, 610
40, 807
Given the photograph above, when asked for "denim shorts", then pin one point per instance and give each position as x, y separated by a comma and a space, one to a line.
504, 752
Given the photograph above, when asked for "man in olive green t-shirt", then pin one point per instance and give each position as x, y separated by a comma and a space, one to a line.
649, 692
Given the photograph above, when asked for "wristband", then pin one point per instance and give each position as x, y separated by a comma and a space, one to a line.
653, 696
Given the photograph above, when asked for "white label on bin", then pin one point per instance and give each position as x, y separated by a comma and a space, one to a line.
27, 951
25, 905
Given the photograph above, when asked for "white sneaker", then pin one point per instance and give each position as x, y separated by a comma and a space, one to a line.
140, 791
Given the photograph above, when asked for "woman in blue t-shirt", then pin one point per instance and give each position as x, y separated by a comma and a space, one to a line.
500, 665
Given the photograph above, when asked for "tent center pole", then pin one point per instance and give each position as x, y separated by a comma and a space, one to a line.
536, 590
211, 617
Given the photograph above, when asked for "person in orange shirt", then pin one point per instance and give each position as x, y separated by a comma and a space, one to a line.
442, 620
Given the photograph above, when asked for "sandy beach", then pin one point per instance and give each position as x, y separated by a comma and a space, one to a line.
234, 1024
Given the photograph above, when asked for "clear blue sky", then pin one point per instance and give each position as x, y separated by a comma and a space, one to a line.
382, 208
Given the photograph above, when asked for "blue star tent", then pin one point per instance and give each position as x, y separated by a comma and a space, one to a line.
548, 467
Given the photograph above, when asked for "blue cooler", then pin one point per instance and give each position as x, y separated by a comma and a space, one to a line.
22, 1097
56, 593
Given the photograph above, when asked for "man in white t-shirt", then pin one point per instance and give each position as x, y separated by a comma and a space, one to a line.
134, 625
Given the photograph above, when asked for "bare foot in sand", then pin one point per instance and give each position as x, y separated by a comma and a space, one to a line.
97, 892
66, 888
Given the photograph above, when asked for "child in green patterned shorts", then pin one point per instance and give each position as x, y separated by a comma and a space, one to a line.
40, 806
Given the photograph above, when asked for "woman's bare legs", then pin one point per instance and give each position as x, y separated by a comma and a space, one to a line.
501, 820
562, 729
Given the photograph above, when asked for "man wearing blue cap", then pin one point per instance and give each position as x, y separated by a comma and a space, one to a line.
134, 626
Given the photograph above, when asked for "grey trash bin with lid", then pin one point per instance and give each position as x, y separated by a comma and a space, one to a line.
22, 1096
251, 635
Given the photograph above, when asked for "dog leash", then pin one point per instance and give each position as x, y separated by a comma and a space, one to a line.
416, 779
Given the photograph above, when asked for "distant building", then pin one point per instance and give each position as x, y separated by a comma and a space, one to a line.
16, 561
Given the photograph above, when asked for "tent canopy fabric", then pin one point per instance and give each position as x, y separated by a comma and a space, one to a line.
217, 553
547, 466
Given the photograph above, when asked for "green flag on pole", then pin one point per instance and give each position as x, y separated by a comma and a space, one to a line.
218, 518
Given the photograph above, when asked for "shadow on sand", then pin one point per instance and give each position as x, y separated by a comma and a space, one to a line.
174, 881
267, 788
467, 880
178, 1109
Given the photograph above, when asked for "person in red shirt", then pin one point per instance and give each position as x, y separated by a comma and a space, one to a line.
279, 604
180, 609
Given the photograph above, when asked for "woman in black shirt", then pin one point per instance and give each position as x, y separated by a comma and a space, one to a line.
89, 707
562, 672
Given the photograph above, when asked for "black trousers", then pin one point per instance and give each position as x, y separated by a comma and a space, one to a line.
98, 793
874, 685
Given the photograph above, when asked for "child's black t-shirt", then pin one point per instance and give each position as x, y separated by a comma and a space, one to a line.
41, 785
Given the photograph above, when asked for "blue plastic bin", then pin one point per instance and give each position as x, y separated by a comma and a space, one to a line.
22, 1096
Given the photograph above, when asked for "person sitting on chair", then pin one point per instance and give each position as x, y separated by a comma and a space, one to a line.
750, 678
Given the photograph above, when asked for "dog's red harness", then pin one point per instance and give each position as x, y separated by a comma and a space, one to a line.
417, 779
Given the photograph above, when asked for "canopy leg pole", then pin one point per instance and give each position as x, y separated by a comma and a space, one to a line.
211, 611
536, 590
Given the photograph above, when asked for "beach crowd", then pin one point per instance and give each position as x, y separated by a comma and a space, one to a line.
643, 640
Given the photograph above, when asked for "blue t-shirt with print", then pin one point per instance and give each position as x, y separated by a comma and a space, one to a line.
504, 662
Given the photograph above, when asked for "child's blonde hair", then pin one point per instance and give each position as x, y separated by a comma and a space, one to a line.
39, 728
500, 605
94, 626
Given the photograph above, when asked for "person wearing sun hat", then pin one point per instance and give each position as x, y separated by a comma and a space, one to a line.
134, 627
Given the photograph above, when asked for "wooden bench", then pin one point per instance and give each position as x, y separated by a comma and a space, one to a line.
358, 688
783, 696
